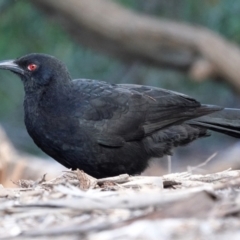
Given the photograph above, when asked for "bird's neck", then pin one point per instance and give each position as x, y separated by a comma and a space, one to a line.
50, 100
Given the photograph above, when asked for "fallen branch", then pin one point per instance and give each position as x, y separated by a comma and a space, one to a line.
106, 26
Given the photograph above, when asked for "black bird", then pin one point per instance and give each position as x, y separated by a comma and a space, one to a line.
109, 129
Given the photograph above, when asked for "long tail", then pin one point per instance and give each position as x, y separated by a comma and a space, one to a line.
226, 121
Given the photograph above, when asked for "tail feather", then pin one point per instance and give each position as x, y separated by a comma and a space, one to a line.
226, 121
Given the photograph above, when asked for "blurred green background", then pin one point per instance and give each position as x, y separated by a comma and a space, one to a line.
25, 29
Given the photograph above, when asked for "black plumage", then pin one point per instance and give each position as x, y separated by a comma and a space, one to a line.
109, 129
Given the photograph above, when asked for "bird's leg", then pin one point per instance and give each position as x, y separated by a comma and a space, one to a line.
169, 159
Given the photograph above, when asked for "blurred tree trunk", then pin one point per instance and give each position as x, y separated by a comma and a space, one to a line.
111, 28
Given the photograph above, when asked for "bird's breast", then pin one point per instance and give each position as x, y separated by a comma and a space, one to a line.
48, 125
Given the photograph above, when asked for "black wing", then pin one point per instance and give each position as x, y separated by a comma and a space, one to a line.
128, 112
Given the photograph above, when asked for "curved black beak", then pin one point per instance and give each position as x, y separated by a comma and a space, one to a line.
12, 66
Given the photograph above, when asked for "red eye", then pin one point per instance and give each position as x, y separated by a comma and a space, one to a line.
32, 67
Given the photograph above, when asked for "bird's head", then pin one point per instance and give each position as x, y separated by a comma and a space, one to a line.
37, 70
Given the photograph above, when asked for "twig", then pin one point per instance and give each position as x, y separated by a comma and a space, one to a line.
191, 169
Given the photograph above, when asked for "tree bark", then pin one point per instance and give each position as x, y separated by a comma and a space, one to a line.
108, 27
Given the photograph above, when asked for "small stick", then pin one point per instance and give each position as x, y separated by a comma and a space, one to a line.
190, 169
